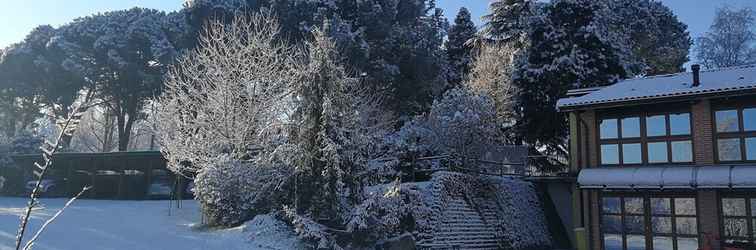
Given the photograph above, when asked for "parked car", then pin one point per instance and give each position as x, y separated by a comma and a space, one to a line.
47, 187
161, 186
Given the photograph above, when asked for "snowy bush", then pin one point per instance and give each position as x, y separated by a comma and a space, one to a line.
268, 232
310, 230
227, 190
386, 212
462, 124
522, 221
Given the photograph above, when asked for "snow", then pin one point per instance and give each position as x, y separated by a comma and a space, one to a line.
663, 86
106, 224
741, 176
510, 207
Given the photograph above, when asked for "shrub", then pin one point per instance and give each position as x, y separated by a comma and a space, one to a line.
226, 191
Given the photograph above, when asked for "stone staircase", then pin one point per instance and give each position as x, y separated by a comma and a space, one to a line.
463, 226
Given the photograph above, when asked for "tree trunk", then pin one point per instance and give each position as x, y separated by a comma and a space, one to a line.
124, 131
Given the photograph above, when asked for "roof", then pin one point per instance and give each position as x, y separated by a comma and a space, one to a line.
667, 86
669, 177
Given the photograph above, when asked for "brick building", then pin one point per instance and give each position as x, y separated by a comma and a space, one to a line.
665, 162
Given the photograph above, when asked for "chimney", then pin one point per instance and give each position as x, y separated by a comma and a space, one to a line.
696, 74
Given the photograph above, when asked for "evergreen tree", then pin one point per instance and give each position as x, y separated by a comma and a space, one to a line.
325, 133
38, 74
125, 53
648, 36
565, 53
458, 50
396, 44
510, 20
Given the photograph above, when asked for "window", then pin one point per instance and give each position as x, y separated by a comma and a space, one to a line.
738, 221
622, 141
646, 139
736, 134
672, 223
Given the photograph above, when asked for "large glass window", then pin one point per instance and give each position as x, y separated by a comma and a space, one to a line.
736, 134
621, 141
673, 223
646, 139
738, 221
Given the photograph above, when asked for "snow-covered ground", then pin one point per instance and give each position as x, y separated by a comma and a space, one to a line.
106, 224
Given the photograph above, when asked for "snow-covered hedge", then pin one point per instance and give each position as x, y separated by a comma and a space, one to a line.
227, 191
388, 211
522, 221
393, 209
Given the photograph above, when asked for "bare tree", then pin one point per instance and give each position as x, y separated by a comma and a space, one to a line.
223, 96
491, 75
730, 40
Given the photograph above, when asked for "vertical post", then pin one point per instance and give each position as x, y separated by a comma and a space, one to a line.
148, 180
121, 171
68, 179
93, 167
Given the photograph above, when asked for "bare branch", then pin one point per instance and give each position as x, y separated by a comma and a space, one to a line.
30, 243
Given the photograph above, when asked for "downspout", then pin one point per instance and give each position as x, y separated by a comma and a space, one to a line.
583, 146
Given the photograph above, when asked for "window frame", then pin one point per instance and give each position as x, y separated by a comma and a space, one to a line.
740, 134
750, 217
644, 139
648, 216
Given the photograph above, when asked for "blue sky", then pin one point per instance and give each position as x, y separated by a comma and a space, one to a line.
18, 17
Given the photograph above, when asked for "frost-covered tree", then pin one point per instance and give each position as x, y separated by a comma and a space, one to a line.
461, 124
221, 115
324, 134
226, 94
395, 43
730, 41
491, 75
125, 53
459, 48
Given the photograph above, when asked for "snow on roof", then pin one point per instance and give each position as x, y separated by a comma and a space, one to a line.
670, 177
665, 86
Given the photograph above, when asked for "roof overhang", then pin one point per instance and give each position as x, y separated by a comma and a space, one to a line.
669, 177
655, 100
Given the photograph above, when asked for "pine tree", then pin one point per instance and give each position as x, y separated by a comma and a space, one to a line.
510, 20
396, 44
458, 50
648, 36
326, 132
565, 53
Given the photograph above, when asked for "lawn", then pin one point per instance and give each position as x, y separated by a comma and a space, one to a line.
106, 224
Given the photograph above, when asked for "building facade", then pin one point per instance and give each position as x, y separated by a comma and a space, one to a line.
665, 162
